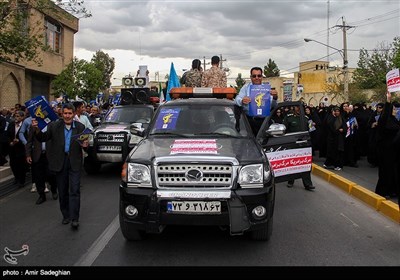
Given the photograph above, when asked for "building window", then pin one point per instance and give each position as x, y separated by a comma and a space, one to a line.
53, 36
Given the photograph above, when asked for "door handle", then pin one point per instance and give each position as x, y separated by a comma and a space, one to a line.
301, 141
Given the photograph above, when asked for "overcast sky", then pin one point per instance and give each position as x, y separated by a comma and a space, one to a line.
245, 33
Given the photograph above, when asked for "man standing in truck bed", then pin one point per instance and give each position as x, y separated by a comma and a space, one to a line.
215, 76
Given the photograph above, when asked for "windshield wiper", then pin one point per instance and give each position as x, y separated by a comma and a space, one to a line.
170, 133
219, 134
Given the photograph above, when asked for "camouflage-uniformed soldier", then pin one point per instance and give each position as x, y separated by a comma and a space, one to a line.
193, 78
293, 121
214, 77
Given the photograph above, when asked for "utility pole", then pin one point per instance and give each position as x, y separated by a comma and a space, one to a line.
220, 61
204, 63
344, 28
327, 31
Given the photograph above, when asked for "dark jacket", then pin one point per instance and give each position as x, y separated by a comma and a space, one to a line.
33, 147
55, 150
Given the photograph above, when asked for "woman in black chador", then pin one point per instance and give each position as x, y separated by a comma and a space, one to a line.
388, 127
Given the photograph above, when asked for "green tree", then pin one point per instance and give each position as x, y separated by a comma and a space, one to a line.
239, 82
22, 41
106, 65
271, 69
79, 78
372, 68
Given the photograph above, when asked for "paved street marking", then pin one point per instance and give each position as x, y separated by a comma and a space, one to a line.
99, 245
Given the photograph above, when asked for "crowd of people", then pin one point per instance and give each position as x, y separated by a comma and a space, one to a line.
54, 158
343, 134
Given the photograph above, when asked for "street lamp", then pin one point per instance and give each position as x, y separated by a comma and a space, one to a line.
343, 53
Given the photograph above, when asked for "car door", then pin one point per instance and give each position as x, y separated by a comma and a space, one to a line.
289, 152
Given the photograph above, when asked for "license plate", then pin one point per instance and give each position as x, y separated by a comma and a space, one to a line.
110, 148
194, 207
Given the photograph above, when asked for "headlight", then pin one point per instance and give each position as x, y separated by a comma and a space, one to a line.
91, 139
251, 176
139, 175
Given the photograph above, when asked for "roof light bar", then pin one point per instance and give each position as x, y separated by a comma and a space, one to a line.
199, 92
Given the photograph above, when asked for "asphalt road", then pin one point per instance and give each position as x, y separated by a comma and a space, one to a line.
326, 227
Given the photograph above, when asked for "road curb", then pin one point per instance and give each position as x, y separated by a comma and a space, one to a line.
379, 203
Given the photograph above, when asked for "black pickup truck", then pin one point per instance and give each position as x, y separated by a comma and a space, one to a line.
200, 164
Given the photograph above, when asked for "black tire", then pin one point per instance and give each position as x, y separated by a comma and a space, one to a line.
128, 231
91, 166
264, 233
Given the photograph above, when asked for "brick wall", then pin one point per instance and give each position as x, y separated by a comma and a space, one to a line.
16, 79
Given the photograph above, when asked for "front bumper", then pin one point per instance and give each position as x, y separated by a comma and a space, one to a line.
236, 209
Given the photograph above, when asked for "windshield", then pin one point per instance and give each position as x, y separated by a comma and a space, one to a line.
129, 115
197, 120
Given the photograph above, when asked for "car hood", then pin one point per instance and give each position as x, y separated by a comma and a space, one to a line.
244, 150
113, 127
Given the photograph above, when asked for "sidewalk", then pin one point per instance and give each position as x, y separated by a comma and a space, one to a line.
359, 182
7, 184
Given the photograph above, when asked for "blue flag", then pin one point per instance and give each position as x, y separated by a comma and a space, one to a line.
173, 81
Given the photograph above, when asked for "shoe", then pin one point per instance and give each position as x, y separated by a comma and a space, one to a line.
33, 189
66, 221
55, 196
309, 188
289, 185
41, 199
337, 168
46, 190
327, 166
75, 224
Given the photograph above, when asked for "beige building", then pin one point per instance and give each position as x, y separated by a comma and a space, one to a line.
313, 83
316, 81
22, 81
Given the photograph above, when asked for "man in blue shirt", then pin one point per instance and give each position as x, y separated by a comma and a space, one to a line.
66, 160
243, 98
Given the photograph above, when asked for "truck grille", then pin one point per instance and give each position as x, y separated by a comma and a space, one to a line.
194, 176
110, 137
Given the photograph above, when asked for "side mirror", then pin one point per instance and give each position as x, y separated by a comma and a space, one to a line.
137, 129
276, 129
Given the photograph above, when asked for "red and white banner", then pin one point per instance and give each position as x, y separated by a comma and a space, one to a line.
194, 146
290, 161
393, 80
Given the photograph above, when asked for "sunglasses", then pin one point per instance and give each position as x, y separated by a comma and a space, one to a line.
256, 76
